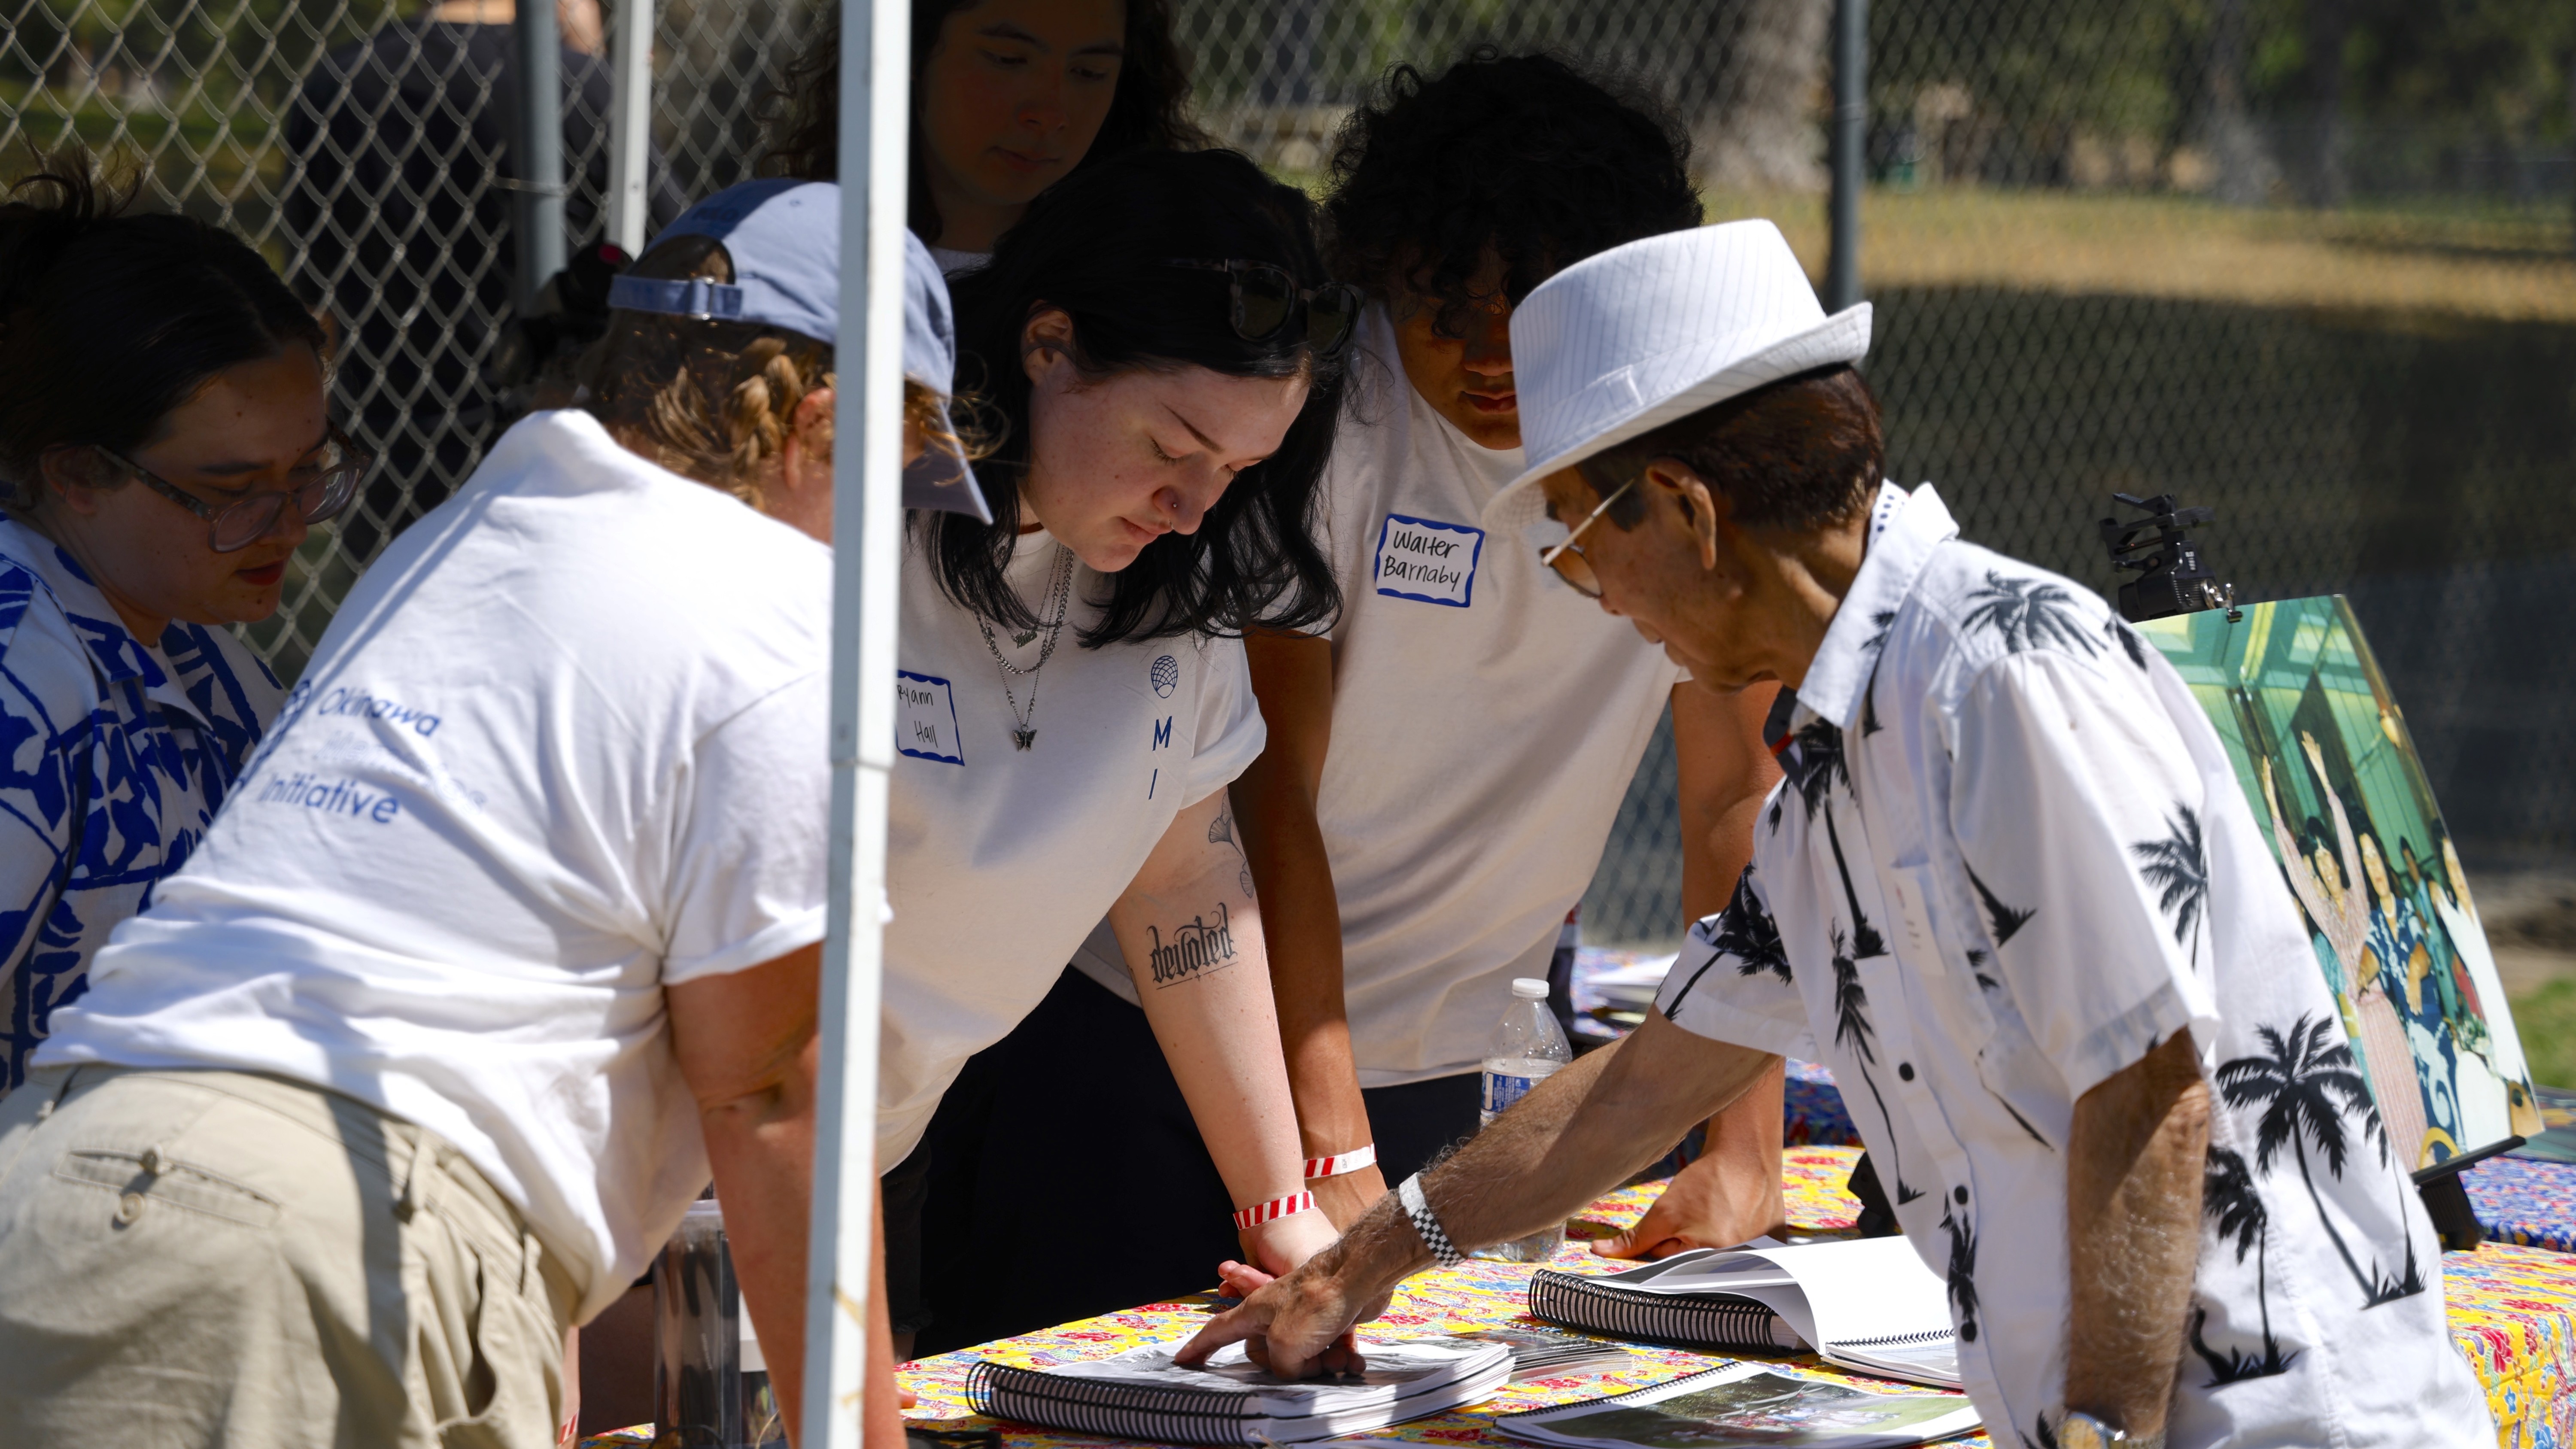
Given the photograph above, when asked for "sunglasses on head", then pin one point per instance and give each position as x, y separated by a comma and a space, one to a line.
1265, 299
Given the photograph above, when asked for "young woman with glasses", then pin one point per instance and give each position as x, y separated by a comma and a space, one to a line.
163, 446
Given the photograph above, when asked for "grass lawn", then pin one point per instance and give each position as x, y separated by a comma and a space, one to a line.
2463, 259
2547, 1021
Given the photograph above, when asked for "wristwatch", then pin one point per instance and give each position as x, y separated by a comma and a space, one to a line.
2083, 1431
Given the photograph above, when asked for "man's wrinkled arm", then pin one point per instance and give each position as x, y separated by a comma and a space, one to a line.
2134, 1167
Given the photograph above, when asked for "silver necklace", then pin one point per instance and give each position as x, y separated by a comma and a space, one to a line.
1024, 732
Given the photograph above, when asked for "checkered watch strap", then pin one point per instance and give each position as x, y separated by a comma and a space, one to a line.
1444, 1252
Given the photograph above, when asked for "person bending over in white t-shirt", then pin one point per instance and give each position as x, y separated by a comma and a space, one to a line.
1445, 759
1158, 349
510, 931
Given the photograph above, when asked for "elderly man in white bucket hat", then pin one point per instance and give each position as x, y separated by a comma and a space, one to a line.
2009, 890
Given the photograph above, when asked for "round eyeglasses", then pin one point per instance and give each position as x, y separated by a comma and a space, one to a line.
1264, 299
324, 486
1569, 562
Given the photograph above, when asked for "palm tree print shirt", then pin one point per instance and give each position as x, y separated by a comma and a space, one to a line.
2008, 859
113, 753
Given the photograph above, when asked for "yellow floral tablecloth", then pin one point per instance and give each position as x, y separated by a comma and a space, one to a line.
2512, 1310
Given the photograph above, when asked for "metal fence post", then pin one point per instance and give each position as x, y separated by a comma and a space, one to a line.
630, 125
539, 214
1850, 136
867, 518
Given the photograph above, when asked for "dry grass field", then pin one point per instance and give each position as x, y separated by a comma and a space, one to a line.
2495, 264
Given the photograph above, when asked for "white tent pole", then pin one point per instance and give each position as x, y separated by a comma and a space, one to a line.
867, 528
630, 124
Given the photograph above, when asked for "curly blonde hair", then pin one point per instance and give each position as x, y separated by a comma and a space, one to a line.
713, 400
708, 400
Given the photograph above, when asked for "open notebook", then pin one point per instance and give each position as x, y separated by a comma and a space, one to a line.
1142, 1394
1867, 1304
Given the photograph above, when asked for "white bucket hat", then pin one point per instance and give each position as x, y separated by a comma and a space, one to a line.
1622, 343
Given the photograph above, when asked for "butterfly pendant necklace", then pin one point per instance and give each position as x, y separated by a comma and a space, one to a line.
1024, 730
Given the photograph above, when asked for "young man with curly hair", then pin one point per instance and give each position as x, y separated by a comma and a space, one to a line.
1444, 763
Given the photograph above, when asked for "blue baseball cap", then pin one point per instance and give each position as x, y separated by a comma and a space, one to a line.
784, 240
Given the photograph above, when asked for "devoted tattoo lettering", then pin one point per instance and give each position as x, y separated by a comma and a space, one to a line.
1193, 948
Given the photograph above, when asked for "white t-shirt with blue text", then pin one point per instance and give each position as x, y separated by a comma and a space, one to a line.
565, 745
1001, 859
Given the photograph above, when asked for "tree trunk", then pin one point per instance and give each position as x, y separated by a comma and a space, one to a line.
2242, 171
1761, 125
2329, 25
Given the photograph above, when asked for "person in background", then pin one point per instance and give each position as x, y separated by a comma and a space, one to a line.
1160, 351
164, 444
1445, 760
399, 191
2010, 890
511, 933
1009, 97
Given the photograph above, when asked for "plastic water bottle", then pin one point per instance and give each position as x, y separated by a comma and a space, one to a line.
1526, 1049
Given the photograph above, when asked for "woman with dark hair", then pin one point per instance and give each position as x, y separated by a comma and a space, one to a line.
163, 446
1009, 97
1159, 346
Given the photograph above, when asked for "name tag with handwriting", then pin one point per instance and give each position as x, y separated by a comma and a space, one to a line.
925, 718
1428, 561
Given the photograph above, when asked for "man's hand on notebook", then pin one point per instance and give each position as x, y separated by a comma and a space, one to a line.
1713, 1203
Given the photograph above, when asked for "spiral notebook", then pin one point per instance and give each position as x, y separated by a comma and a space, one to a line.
1230, 1400
1867, 1304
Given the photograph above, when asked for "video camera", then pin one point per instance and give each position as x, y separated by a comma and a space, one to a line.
2171, 578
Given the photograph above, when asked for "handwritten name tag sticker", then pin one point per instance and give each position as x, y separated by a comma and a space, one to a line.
925, 718
1428, 561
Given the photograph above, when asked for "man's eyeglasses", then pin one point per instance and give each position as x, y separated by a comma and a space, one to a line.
1569, 562
1265, 299
230, 527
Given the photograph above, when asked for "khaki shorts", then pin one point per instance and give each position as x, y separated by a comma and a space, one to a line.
203, 1258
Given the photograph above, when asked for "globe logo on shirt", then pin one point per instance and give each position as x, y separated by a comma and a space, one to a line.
1167, 676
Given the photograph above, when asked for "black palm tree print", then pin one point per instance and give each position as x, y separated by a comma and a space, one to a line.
2001, 919
2129, 640
2178, 868
2229, 1201
2029, 614
1820, 764
1744, 931
2304, 1088
1962, 1274
1869, 724
1854, 1034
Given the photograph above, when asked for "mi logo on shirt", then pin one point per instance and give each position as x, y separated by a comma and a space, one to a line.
1428, 561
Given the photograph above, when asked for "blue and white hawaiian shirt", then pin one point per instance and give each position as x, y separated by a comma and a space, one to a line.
138, 744
2010, 857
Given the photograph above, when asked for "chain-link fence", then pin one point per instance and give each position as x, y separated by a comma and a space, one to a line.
2312, 262
363, 145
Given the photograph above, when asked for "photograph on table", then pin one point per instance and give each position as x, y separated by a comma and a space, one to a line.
2322, 753
1747, 1404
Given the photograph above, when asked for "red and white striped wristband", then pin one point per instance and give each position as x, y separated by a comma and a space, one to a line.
1273, 1210
1341, 1163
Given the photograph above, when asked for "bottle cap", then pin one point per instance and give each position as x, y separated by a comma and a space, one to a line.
1530, 988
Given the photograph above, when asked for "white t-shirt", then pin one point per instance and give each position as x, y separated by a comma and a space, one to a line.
1486, 721
1002, 859
565, 744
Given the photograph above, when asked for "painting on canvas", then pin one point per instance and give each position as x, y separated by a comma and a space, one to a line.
2322, 753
